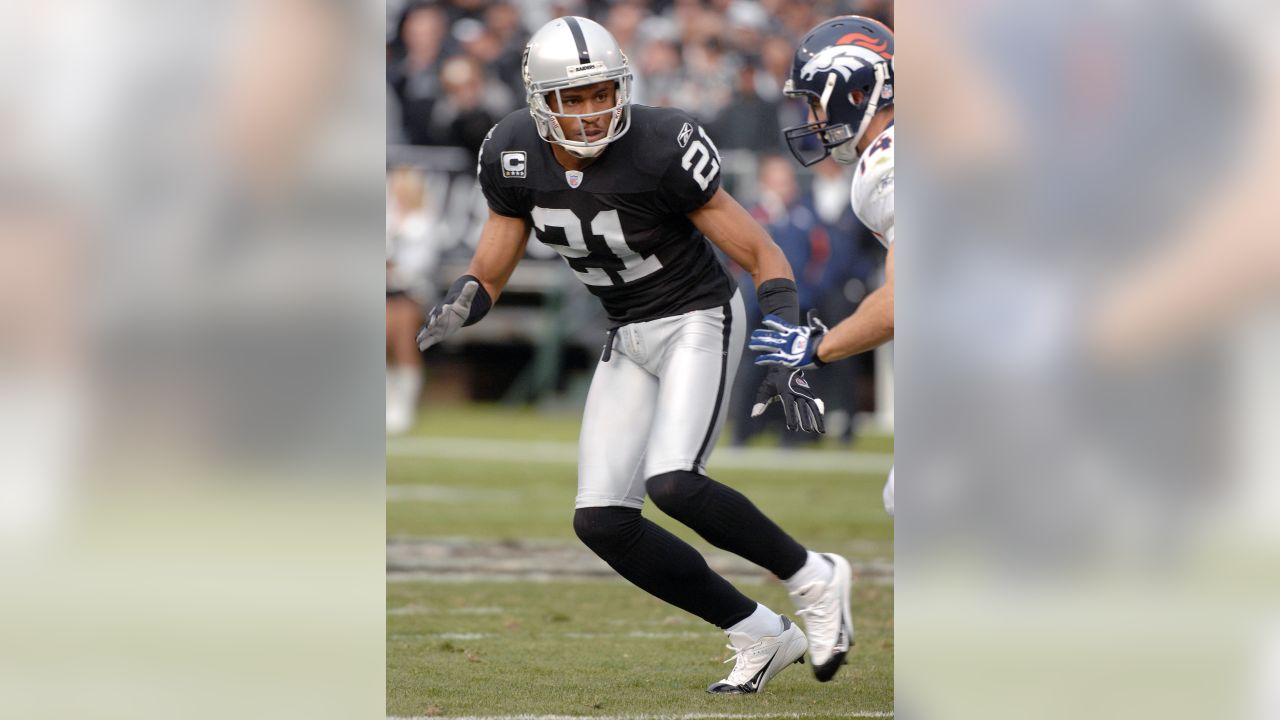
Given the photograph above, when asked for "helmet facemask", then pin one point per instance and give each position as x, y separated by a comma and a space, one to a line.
548, 120
838, 139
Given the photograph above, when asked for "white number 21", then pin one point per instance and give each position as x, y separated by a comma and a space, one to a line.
605, 224
699, 151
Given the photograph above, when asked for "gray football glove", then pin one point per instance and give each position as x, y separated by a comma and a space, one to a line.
450, 315
801, 409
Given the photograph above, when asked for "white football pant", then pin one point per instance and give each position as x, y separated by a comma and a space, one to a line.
659, 403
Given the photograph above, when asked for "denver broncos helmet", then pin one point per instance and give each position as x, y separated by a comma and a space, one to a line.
835, 59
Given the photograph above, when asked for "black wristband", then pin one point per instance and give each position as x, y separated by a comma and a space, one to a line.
480, 304
778, 296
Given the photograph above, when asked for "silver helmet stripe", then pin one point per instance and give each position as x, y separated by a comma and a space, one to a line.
579, 39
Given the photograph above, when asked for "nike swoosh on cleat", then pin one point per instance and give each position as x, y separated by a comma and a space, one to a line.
753, 684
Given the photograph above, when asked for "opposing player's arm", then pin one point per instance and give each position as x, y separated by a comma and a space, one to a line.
502, 243
870, 326
734, 231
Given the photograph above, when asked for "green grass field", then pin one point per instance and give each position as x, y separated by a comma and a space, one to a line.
494, 609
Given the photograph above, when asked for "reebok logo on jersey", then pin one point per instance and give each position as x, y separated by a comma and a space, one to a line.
514, 164
686, 132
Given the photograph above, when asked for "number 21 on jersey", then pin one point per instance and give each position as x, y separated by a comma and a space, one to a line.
697, 157
605, 224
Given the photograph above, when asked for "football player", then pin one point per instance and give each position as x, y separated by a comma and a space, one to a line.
630, 195
844, 70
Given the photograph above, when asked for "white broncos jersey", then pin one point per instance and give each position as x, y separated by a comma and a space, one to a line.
872, 193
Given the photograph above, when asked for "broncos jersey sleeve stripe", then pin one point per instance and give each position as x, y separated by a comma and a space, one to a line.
621, 223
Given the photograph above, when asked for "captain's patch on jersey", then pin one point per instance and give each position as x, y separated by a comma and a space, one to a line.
514, 164
686, 132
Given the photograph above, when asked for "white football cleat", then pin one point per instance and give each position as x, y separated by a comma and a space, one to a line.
759, 661
825, 609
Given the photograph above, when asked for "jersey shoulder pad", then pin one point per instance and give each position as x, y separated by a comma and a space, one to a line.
507, 165
663, 137
673, 152
513, 133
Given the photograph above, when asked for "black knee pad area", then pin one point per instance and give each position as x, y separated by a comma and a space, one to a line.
607, 530
678, 492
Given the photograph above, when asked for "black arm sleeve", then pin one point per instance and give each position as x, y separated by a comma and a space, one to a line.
779, 297
480, 304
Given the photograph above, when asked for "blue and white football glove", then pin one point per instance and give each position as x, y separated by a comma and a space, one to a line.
787, 345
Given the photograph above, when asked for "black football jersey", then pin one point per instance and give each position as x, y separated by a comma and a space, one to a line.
621, 223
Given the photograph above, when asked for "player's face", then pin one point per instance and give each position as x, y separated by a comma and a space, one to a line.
596, 101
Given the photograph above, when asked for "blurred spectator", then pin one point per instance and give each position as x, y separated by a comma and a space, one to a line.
624, 22
412, 253
751, 121
708, 80
661, 74
776, 54
472, 104
748, 23
503, 23
471, 9
415, 74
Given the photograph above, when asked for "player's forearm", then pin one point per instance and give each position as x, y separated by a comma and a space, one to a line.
776, 290
770, 263
869, 327
493, 278
502, 244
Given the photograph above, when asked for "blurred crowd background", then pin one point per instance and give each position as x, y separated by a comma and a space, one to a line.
453, 71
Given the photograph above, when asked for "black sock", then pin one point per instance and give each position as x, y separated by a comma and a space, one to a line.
727, 519
661, 564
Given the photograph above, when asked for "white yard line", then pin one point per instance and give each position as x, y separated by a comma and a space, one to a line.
545, 451
687, 716
445, 494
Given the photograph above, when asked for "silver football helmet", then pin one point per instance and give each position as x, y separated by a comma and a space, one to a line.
571, 52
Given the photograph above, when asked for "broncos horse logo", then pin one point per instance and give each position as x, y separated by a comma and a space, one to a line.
843, 59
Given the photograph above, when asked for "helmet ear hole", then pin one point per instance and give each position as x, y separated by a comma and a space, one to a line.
856, 97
